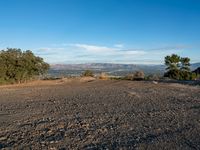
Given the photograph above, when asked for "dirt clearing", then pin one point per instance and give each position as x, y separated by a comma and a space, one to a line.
100, 115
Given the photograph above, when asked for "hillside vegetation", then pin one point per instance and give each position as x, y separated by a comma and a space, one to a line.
179, 68
17, 66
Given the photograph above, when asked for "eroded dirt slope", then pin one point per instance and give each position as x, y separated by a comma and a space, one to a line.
100, 115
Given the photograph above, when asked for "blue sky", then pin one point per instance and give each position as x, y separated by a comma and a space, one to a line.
112, 31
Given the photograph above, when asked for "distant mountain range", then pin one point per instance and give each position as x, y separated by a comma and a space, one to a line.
195, 66
110, 65
112, 69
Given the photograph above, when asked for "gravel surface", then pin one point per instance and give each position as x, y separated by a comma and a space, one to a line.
100, 115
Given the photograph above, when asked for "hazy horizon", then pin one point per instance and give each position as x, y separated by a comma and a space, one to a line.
102, 31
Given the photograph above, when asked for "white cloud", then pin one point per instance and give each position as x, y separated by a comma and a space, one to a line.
109, 53
50, 48
93, 48
119, 45
133, 52
83, 53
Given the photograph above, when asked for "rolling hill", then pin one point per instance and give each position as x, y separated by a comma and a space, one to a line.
110, 68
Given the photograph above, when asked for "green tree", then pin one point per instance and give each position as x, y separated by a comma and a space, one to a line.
172, 62
19, 66
178, 68
185, 64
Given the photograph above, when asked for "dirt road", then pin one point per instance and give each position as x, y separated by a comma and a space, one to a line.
100, 115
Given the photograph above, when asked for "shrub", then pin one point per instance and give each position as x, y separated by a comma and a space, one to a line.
103, 76
117, 78
185, 75
18, 66
181, 75
139, 75
198, 76
52, 78
152, 77
173, 74
193, 76
88, 73
2, 81
129, 77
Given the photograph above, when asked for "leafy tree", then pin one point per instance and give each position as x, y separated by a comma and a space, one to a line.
185, 64
18, 66
178, 68
173, 74
172, 62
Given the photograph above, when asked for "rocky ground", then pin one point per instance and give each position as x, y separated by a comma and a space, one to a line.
100, 115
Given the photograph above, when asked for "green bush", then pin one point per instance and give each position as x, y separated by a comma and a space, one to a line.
129, 77
17, 66
103, 76
2, 81
173, 74
181, 75
178, 68
152, 77
138, 75
193, 76
88, 73
185, 75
